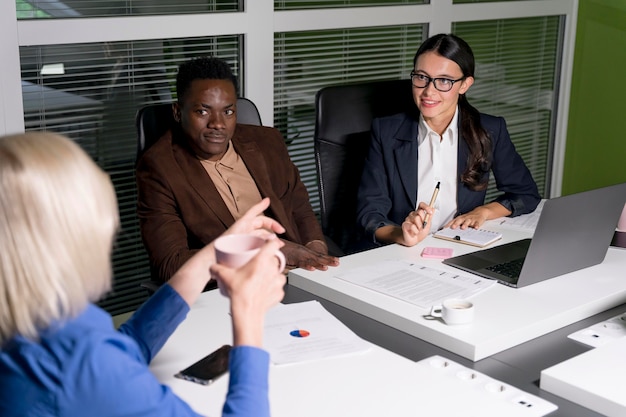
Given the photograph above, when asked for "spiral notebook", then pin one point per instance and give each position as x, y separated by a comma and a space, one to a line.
469, 236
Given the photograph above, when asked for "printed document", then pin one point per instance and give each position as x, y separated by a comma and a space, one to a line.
524, 222
416, 284
307, 331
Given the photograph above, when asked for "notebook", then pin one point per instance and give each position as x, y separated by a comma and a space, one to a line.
573, 232
469, 236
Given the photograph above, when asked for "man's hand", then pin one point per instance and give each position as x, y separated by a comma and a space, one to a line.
311, 257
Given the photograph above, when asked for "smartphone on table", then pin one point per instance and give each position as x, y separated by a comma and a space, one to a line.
209, 368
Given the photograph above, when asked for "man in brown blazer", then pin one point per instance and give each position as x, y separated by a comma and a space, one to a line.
205, 173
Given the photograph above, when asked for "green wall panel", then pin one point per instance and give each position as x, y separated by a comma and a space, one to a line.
595, 154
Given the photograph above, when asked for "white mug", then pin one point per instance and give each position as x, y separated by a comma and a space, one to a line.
454, 311
236, 250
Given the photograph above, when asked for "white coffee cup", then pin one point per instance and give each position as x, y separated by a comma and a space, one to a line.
454, 311
621, 224
236, 250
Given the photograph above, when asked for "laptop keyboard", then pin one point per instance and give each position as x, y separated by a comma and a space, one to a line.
510, 269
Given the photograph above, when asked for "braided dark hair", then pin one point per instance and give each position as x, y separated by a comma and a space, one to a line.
478, 140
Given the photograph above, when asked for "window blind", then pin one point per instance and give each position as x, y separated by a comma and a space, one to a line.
517, 76
37, 9
304, 62
91, 93
326, 4
480, 1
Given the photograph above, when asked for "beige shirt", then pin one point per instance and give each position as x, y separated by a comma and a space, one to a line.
233, 181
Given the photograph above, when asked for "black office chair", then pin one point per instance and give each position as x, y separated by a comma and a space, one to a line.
342, 135
152, 121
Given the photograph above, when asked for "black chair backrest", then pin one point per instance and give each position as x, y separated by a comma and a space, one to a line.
247, 113
343, 120
152, 121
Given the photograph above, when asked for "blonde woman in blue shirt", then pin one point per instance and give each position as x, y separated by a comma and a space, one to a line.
60, 355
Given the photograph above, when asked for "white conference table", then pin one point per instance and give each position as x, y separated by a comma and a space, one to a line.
594, 379
308, 389
376, 382
386, 380
505, 317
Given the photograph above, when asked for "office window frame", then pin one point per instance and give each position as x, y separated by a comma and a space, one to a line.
257, 24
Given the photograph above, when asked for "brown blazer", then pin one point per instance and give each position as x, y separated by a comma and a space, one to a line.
180, 210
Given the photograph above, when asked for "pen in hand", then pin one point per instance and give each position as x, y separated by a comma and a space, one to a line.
432, 202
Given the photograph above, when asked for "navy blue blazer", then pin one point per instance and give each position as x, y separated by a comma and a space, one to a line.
388, 189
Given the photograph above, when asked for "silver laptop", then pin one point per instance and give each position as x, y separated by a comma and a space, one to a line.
573, 232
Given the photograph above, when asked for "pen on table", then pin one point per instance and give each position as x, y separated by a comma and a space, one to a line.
432, 201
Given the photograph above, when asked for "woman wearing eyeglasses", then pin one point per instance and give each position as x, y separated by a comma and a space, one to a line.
449, 145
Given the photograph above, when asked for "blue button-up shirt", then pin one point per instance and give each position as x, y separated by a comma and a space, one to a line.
83, 367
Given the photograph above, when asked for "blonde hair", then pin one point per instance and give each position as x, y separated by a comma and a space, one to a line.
58, 218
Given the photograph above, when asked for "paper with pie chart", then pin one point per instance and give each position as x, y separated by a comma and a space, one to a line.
307, 331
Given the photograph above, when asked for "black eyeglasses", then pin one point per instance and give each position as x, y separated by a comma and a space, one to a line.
441, 84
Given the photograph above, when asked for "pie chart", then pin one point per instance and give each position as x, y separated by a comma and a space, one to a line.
299, 333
